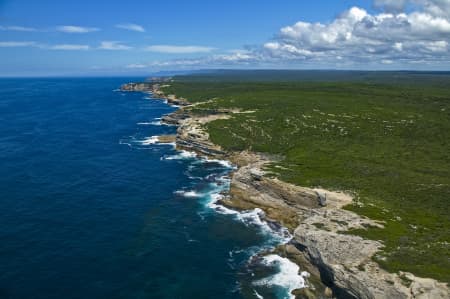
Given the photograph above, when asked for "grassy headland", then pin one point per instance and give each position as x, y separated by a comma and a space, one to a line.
385, 136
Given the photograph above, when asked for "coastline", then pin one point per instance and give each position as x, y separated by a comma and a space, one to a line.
340, 264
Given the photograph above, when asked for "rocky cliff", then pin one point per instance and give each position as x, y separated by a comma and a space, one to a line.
321, 243
154, 88
142, 86
343, 262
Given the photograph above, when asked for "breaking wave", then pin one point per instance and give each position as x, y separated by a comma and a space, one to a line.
287, 277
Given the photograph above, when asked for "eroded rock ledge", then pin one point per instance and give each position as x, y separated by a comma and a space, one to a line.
341, 261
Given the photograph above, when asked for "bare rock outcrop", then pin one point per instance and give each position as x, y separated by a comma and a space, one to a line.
341, 260
191, 136
140, 86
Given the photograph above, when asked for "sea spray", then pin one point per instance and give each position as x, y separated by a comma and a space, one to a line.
180, 156
149, 140
150, 123
287, 277
190, 193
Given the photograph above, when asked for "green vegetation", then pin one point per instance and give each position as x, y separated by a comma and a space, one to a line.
383, 136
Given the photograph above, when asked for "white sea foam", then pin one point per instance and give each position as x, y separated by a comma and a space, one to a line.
254, 217
193, 177
181, 155
288, 276
224, 163
150, 123
258, 295
154, 140
190, 194
149, 140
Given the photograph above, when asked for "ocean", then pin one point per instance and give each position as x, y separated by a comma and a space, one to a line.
91, 207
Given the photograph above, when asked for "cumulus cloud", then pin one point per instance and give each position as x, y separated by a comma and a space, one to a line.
76, 29
17, 28
397, 36
131, 27
359, 36
112, 45
69, 47
170, 49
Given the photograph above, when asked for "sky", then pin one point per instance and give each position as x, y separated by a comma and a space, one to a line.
134, 37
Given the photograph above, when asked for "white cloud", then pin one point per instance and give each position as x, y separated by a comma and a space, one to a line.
360, 37
132, 27
179, 49
76, 29
13, 44
137, 66
69, 47
407, 33
438, 46
236, 58
112, 45
391, 5
398, 46
435, 7
17, 28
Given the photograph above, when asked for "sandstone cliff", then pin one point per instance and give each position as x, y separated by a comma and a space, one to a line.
341, 261
320, 244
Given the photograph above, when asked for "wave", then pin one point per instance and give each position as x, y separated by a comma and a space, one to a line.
288, 276
149, 140
255, 217
224, 163
258, 295
181, 156
189, 194
150, 123
144, 143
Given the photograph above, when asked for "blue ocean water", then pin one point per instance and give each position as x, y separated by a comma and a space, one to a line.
91, 208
